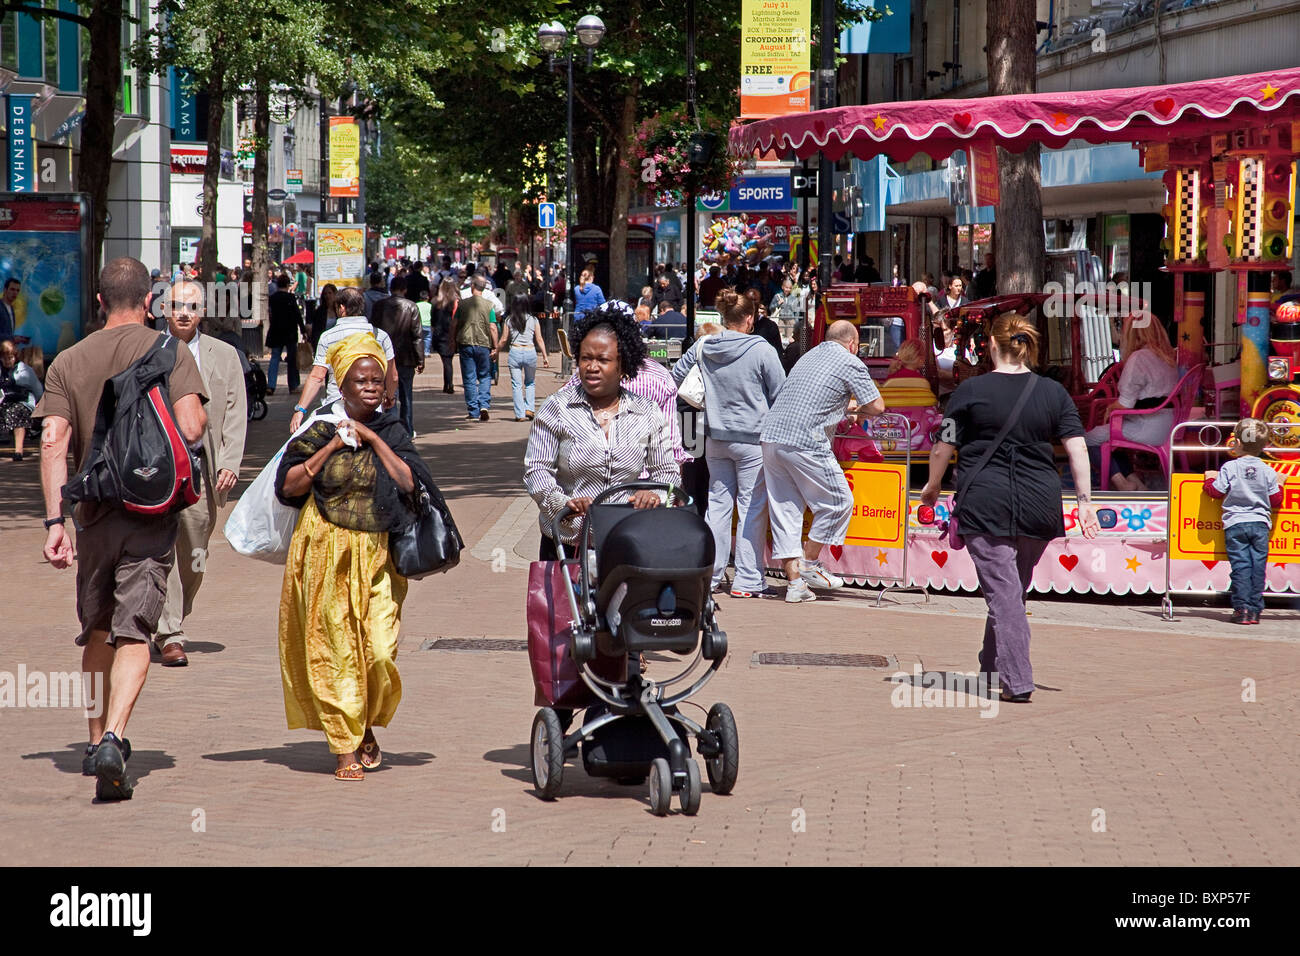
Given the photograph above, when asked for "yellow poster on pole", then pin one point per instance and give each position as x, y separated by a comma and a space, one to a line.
482, 210
340, 253
345, 157
1196, 522
774, 58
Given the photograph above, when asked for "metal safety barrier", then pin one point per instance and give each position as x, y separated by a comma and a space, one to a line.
1210, 437
899, 424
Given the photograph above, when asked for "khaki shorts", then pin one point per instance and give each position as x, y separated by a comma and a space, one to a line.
122, 565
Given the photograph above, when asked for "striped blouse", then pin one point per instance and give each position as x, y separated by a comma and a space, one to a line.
657, 384
569, 456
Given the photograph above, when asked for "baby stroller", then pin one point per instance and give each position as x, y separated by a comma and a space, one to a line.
255, 386
651, 593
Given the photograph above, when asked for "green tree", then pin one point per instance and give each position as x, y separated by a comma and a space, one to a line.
499, 103
296, 48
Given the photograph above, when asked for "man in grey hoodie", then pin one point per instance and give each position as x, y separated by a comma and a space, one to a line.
742, 375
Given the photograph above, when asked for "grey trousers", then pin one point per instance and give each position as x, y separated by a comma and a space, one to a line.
736, 484
1005, 567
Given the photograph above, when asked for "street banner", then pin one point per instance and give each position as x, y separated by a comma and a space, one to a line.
340, 253
774, 58
22, 148
293, 180
185, 107
345, 158
986, 189
1196, 522
482, 210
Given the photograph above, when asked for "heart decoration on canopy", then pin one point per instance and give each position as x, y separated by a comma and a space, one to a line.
1165, 106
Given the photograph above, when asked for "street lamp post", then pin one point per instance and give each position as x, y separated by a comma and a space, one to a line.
552, 37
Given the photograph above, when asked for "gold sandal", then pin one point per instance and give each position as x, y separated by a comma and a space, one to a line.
352, 771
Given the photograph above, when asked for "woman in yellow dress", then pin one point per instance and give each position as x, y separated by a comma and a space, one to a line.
341, 604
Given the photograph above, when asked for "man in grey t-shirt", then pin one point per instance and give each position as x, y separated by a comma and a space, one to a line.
798, 464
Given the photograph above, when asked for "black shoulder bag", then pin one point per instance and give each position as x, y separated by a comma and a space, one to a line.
430, 545
954, 536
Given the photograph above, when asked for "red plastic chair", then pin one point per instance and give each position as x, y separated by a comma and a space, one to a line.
1180, 402
1093, 405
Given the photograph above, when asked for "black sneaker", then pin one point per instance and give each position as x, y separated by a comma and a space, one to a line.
110, 770
88, 759
1252, 617
1239, 615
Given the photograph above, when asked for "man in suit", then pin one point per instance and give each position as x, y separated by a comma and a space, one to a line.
282, 335
223, 448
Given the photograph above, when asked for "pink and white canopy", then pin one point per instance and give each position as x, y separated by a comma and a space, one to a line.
940, 127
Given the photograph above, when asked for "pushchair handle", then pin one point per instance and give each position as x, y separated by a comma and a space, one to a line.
675, 491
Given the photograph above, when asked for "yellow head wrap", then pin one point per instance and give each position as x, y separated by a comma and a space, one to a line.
342, 355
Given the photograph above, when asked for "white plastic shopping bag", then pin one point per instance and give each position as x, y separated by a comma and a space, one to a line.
261, 526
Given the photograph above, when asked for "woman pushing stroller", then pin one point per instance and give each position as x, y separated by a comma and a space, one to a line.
595, 434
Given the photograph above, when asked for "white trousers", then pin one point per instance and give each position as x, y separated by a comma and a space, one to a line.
798, 479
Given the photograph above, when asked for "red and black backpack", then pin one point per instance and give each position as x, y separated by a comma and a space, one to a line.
139, 460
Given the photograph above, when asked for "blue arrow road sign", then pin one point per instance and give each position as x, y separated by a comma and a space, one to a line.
546, 215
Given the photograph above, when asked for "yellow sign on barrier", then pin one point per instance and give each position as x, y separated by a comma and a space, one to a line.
1196, 525
879, 504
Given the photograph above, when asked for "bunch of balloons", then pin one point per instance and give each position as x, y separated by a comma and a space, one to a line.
737, 239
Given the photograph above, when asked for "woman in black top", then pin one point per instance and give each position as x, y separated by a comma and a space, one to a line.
1012, 507
445, 303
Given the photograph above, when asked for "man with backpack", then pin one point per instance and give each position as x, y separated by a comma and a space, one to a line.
123, 554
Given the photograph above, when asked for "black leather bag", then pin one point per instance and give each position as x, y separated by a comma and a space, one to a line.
432, 544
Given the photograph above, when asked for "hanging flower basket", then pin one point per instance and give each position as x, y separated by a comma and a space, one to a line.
673, 157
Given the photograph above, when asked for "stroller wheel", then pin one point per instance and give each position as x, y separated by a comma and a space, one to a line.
689, 795
723, 767
661, 787
257, 410
547, 752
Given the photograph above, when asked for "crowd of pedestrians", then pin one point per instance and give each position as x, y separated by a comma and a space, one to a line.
350, 465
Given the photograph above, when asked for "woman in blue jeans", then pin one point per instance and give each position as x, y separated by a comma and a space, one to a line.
525, 340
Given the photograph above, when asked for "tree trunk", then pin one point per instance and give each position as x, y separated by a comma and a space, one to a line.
261, 160
103, 80
622, 192
1012, 64
216, 90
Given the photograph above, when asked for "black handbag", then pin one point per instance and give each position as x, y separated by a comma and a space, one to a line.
430, 545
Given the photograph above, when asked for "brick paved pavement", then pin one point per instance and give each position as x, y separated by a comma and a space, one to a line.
1145, 723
